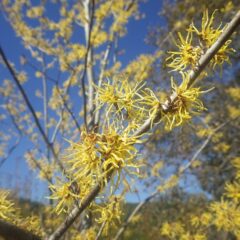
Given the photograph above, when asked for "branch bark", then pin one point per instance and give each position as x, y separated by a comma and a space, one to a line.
88, 69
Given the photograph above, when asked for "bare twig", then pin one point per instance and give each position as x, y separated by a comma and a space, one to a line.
100, 230
134, 212
49, 179
30, 107
45, 98
103, 68
10, 151
70, 111
65, 104
14, 146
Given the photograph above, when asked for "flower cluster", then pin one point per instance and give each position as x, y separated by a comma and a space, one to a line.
176, 230
191, 49
110, 213
92, 161
65, 194
128, 101
185, 104
7, 208
126, 105
10, 213
188, 55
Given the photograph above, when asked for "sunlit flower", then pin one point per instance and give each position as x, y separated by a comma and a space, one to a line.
185, 104
119, 95
110, 213
233, 190
187, 56
6, 206
96, 155
226, 216
63, 192
208, 36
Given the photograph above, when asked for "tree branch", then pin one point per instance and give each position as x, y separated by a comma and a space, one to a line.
147, 125
193, 74
87, 63
100, 230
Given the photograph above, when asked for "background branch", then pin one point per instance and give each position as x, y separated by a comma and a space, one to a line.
31, 109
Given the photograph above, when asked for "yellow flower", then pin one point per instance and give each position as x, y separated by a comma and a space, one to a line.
32, 224
120, 96
171, 182
96, 155
35, 12
63, 192
172, 230
185, 104
226, 215
6, 206
208, 36
236, 163
233, 190
156, 167
128, 103
187, 56
166, 229
199, 237
110, 213
87, 234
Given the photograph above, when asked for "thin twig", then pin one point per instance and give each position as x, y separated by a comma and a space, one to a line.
100, 230
30, 107
65, 104
40, 168
10, 151
103, 68
45, 98
69, 111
